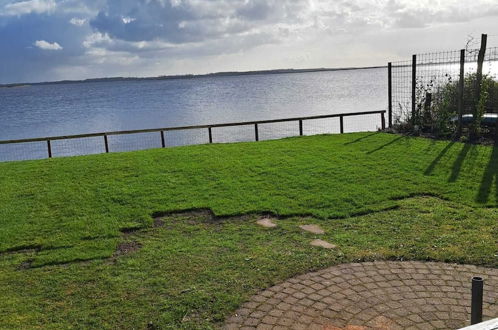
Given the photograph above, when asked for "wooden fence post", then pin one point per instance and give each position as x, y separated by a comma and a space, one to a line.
49, 147
414, 89
106, 142
461, 84
478, 85
163, 141
390, 93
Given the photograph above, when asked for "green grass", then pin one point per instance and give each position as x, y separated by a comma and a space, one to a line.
378, 196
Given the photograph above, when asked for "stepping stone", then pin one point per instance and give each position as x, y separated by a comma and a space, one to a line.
315, 229
323, 244
266, 222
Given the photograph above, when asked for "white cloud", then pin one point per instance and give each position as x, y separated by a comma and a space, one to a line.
45, 45
96, 39
28, 7
78, 21
153, 37
128, 20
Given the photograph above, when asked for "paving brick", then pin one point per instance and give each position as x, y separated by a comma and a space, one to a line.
380, 295
306, 302
257, 314
319, 305
315, 297
324, 292
299, 326
280, 295
438, 324
252, 322
265, 307
283, 306
299, 295
276, 313
298, 308
267, 293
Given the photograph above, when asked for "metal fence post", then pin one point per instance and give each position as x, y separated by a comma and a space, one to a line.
414, 88
461, 84
163, 141
210, 134
341, 120
383, 120
477, 293
49, 147
390, 93
106, 142
256, 132
300, 128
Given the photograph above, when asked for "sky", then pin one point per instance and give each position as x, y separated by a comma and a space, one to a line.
46, 40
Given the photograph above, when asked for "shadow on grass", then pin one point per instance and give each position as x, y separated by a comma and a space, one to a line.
457, 165
436, 161
489, 177
361, 138
387, 144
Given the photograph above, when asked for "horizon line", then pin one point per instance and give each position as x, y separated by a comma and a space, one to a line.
188, 76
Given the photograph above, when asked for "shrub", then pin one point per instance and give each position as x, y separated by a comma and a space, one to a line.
437, 105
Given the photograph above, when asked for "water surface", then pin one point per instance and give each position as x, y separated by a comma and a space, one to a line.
79, 108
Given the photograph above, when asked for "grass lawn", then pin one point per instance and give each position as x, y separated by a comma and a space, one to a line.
378, 196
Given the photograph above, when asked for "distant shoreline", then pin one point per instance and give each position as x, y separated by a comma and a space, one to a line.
189, 76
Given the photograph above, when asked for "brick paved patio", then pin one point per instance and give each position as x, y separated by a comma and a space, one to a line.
372, 295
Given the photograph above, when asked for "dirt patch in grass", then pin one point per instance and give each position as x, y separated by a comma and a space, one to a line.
25, 264
158, 222
127, 248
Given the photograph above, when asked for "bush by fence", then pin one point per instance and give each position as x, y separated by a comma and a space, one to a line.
447, 94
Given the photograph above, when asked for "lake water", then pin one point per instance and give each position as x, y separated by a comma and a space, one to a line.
68, 109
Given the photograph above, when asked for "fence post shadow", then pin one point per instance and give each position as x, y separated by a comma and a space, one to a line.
361, 138
387, 144
489, 176
457, 164
436, 161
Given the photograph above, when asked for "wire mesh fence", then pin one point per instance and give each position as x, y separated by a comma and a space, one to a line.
30, 149
77, 147
233, 134
445, 92
322, 126
401, 91
139, 141
274, 131
23, 151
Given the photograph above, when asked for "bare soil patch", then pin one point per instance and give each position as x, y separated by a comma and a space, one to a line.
127, 248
